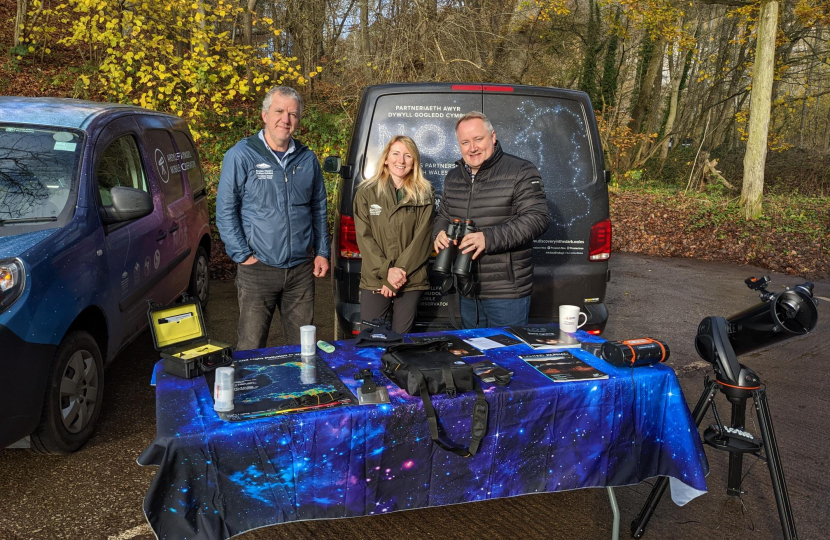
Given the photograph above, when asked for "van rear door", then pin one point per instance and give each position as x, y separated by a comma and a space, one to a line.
552, 129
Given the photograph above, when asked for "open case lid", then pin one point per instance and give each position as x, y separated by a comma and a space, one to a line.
177, 324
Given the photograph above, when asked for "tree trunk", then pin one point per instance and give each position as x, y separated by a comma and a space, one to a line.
645, 95
200, 11
759, 111
20, 20
364, 29
247, 36
653, 109
676, 72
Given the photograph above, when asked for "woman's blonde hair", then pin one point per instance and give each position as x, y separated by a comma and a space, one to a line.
415, 186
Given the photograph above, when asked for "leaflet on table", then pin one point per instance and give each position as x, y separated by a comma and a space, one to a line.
544, 336
562, 366
456, 345
284, 383
492, 342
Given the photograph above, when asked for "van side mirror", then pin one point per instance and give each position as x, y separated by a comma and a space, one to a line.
607, 174
127, 204
332, 164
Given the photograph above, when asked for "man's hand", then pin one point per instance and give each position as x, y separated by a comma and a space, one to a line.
442, 241
321, 266
473, 241
250, 260
396, 276
387, 292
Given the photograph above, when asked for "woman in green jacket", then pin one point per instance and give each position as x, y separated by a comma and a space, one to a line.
393, 214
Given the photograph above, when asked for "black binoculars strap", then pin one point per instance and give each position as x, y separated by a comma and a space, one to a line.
479, 423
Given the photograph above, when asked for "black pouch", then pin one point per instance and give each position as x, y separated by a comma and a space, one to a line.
424, 369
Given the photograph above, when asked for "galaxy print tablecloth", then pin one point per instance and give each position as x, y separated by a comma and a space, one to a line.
218, 479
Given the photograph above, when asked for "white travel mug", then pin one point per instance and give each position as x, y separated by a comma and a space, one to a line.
569, 318
308, 340
223, 390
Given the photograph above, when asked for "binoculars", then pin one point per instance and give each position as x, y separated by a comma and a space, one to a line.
451, 260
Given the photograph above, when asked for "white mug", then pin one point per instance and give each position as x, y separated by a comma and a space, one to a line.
569, 318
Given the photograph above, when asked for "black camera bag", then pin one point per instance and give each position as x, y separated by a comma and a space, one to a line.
424, 369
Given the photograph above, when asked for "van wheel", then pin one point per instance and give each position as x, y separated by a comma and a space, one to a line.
73, 398
199, 287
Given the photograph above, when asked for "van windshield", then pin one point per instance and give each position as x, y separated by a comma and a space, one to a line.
38, 168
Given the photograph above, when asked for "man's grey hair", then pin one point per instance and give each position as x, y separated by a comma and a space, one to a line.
284, 91
472, 115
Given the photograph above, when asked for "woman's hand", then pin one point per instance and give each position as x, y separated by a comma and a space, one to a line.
442, 241
386, 292
396, 276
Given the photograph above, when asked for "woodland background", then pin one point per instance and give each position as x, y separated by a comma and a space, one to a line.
671, 83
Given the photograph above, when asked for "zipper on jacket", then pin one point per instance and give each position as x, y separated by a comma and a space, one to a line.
470, 199
287, 210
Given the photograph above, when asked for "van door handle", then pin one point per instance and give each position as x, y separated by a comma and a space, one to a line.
174, 228
162, 235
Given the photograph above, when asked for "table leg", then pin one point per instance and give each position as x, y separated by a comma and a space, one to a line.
615, 509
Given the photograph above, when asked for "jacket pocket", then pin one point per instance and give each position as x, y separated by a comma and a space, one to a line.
511, 275
300, 185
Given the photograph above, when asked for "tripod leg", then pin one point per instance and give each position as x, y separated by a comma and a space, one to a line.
776, 471
638, 526
736, 459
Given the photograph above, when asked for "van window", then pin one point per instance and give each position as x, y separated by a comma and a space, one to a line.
430, 120
549, 132
169, 171
188, 160
38, 171
120, 165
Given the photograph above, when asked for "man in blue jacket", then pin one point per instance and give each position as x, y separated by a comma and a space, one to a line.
271, 215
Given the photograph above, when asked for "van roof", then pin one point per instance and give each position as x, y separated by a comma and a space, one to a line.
57, 112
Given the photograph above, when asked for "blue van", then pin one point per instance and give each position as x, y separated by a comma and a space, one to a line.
102, 206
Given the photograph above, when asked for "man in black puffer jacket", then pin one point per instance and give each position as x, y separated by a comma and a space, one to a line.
503, 196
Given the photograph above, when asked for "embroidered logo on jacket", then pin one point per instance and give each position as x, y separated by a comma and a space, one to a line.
264, 171
374, 210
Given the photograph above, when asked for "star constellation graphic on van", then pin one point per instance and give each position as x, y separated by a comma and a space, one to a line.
542, 140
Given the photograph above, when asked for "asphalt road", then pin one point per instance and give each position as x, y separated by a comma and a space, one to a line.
97, 493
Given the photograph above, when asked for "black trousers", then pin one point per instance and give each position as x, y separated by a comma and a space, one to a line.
399, 309
261, 289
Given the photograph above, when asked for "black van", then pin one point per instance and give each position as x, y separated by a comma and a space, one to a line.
553, 128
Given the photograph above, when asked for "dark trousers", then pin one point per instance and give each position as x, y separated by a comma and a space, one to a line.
261, 289
494, 312
399, 309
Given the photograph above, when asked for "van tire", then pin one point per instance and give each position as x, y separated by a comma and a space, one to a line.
199, 287
76, 384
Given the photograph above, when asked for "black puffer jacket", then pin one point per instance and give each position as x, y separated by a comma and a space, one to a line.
507, 203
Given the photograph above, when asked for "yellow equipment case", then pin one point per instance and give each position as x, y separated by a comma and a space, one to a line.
180, 335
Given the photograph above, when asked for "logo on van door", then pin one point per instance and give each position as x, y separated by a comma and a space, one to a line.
161, 166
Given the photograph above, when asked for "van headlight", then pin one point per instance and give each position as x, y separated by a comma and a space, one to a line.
12, 282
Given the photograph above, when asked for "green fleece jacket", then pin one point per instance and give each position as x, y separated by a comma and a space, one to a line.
392, 234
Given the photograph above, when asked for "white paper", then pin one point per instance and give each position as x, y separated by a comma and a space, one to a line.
482, 343
65, 146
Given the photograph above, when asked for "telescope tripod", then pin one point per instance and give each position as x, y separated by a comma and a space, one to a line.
737, 442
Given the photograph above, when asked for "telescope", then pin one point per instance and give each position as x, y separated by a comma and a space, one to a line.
778, 317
